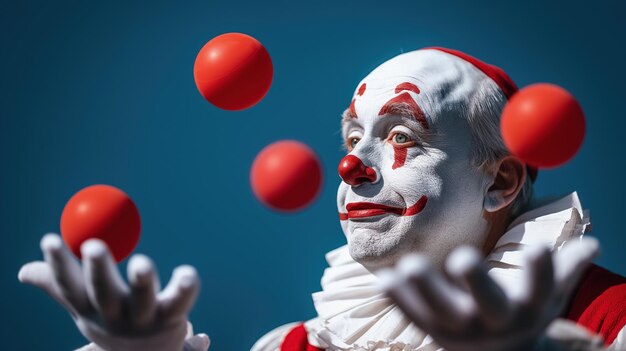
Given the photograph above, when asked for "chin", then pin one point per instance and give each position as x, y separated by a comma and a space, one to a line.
375, 249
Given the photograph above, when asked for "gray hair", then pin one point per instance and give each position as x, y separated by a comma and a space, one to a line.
483, 116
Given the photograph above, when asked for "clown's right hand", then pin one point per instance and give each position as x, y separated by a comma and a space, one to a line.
465, 309
107, 311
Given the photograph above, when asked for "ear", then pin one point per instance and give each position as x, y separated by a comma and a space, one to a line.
509, 179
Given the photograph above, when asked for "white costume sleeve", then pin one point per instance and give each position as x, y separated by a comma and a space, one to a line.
272, 340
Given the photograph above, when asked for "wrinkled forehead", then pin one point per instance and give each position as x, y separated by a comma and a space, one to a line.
420, 83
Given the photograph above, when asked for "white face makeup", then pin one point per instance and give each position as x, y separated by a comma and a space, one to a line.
409, 181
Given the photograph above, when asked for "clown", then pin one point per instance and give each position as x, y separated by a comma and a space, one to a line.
445, 249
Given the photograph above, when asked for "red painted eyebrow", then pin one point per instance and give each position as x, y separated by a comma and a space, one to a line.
352, 110
407, 86
402, 104
393, 106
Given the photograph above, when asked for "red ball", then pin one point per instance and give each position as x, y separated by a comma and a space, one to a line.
233, 71
543, 125
101, 212
286, 175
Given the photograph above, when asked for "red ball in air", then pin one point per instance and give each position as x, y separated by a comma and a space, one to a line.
233, 71
101, 212
286, 175
543, 125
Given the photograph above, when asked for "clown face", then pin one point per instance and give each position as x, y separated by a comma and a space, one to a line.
409, 182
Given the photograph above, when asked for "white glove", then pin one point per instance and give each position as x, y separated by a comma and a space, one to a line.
106, 310
467, 310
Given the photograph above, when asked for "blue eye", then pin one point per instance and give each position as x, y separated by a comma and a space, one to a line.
353, 141
400, 138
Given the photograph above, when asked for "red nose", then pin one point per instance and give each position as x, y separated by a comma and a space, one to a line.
354, 172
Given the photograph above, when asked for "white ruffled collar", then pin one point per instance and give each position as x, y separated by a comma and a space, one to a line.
353, 314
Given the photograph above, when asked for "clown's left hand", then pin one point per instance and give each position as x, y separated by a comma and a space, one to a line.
467, 310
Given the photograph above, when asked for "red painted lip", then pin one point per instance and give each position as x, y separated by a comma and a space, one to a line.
370, 209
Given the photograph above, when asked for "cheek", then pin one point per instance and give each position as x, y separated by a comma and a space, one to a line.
464, 182
342, 191
413, 173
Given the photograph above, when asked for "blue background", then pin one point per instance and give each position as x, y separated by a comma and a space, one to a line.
103, 92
